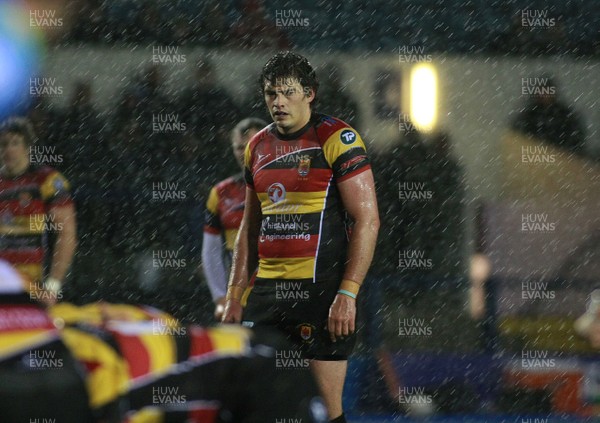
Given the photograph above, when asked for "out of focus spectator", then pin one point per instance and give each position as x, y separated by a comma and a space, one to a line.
334, 99
214, 30
255, 30
45, 119
91, 25
185, 170
207, 109
150, 26
546, 117
588, 324
35, 204
80, 134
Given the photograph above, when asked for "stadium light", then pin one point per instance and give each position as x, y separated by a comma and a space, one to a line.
423, 97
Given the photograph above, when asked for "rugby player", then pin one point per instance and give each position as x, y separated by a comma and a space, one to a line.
35, 203
308, 181
224, 211
39, 378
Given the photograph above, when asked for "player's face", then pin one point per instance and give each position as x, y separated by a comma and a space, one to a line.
13, 152
289, 104
594, 334
238, 144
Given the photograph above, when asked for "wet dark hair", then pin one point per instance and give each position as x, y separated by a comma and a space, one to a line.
247, 124
21, 126
285, 65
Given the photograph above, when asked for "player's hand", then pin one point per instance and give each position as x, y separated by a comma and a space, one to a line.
232, 312
342, 317
53, 292
219, 308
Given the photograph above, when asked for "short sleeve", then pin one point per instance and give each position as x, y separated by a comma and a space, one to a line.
346, 154
212, 222
56, 190
248, 166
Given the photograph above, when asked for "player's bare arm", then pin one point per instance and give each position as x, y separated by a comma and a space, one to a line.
245, 257
358, 196
66, 241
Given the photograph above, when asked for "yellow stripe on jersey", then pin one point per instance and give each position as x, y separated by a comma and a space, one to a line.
36, 224
337, 144
292, 268
213, 201
32, 272
295, 202
54, 183
147, 415
230, 235
110, 378
13, 342
229, 339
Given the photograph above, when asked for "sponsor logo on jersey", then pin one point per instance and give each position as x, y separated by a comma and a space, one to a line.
347, 137
276, 192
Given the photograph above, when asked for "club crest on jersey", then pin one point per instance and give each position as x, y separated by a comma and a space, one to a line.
347, 137
306, 332
304, 166
276, 192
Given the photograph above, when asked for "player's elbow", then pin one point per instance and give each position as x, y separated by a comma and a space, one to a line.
374, 224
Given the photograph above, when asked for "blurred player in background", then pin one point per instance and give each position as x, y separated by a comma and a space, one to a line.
35, 205
308, 182
224, 211
39, 378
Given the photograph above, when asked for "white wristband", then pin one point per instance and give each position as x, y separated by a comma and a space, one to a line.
53, 285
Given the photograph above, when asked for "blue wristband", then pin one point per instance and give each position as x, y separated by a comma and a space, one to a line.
348, 293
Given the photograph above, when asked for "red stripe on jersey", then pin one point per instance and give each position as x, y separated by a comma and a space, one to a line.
200, 342
135, 352
356, 172
16, 318
211, 230
316, 180
292, 248
207, 415
29, 256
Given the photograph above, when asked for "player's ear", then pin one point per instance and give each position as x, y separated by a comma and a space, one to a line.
309, 93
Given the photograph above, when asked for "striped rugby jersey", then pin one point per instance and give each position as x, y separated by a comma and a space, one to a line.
25, 201
225, 209
304, 228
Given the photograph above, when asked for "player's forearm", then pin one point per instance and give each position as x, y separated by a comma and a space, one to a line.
361, 248
241, 259
64, 250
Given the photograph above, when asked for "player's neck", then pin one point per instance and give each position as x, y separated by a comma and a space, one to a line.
15, 171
